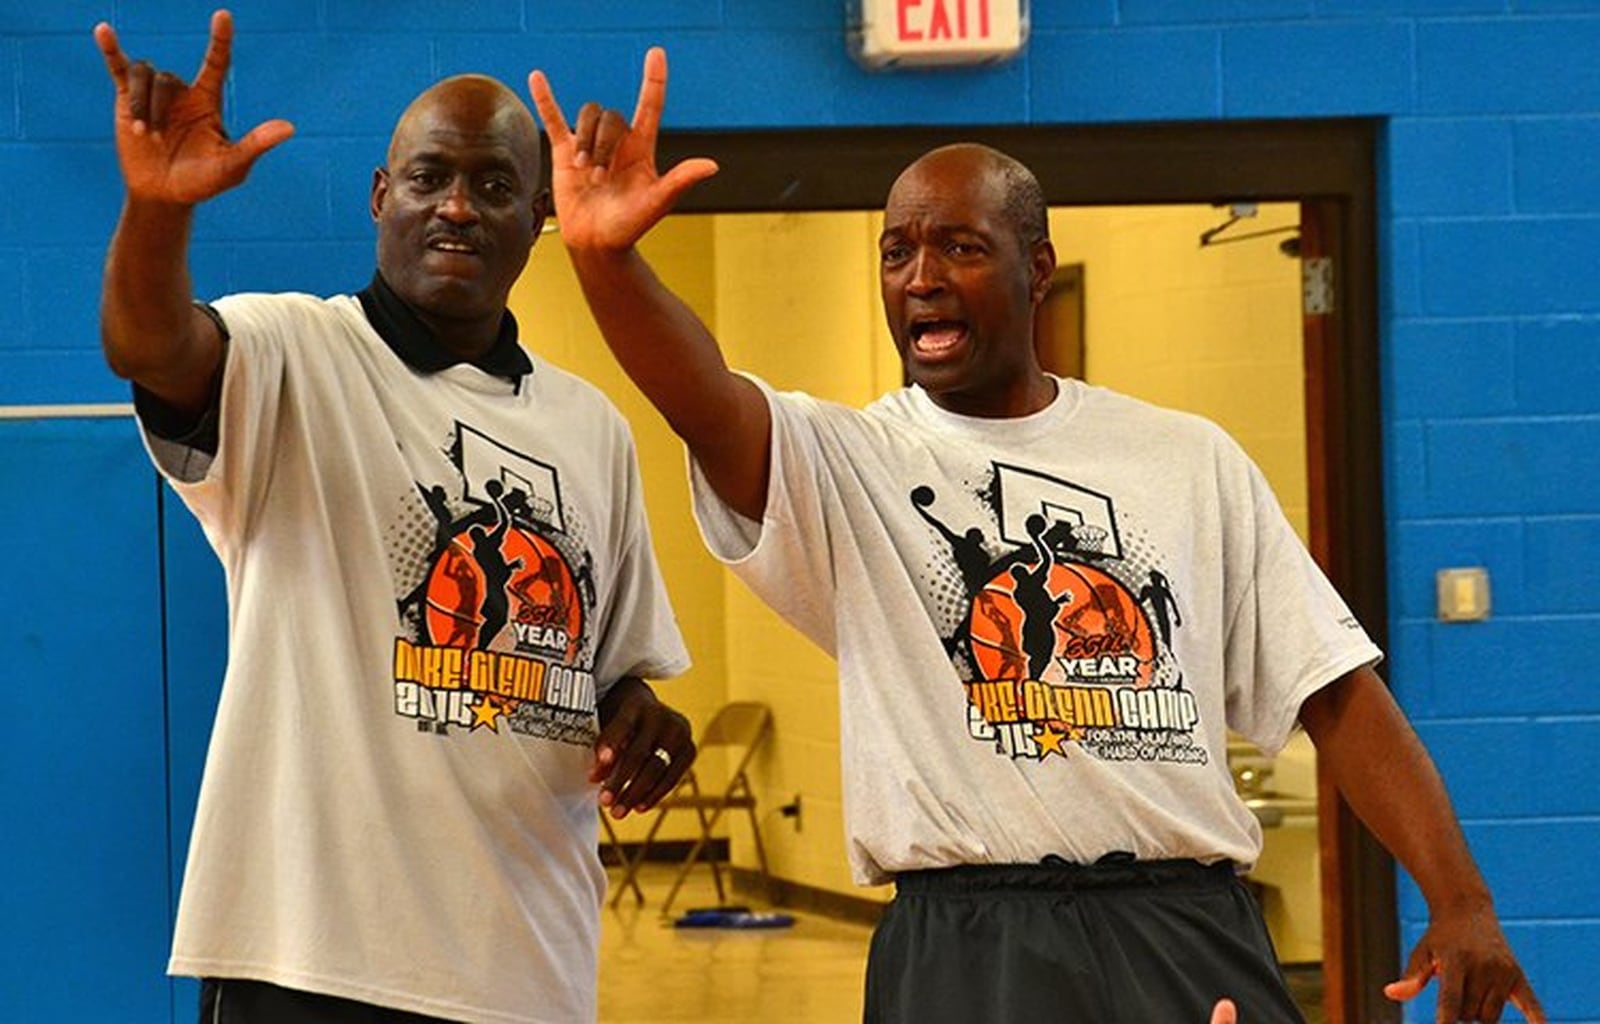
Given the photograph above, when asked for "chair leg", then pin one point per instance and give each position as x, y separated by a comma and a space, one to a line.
630, 877
706, 824
761, 852
683, 873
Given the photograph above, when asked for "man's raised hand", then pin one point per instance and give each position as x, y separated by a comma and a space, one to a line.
170, 139
607, 190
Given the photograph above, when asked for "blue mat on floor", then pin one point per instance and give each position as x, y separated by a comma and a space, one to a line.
733, 917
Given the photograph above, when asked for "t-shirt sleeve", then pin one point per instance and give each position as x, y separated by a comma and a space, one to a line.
641, 633
222, 488
785, 558
1289, 632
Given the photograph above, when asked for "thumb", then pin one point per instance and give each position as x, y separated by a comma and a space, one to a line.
1224, 1012
257, 141
1419, 971
684, 176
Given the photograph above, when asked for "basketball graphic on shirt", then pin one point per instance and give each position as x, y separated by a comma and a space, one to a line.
546, 612
504, 588
1060, 622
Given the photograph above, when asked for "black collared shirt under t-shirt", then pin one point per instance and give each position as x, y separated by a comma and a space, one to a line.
396, 323
411, 340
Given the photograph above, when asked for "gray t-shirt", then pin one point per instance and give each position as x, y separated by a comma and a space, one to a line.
432, 579
1044, 625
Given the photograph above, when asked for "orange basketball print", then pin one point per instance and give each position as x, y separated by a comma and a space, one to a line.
1060, 622
504, 589
546, 612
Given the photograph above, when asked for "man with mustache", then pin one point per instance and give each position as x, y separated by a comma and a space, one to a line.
397, 821
1077, 861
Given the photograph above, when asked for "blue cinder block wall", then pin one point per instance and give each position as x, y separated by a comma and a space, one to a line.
1490, 319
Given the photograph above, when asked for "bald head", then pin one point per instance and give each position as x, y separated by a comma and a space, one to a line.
470, 108
1009, 185
964, 260
459, 205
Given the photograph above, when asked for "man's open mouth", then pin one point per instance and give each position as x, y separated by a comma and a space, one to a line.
931, 339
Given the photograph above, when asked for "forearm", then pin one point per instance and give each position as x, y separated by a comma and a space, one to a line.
674, 360
149, 328
1381, 767
662, 345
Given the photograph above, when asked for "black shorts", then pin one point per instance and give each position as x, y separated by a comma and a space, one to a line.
1111, 943
238, 1001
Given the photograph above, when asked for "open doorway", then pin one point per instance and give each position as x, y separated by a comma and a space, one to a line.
1328, 168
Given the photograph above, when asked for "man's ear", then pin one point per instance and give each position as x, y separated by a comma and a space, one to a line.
1042, 264
380, 191
541, 211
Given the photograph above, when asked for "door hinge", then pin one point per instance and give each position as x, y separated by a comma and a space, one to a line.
1316, 280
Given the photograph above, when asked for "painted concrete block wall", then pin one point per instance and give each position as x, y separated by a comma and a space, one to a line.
1490, 319
83, 772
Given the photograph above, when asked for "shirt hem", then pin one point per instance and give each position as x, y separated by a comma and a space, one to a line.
183, 967
666, 670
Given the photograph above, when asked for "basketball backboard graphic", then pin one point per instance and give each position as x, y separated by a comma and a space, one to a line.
485, 460
1024, 493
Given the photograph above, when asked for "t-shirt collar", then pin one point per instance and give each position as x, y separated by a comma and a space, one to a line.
411, 339
1069, 392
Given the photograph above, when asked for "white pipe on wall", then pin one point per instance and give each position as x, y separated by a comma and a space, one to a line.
65, 412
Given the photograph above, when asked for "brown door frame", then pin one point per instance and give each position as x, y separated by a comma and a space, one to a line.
1327, 165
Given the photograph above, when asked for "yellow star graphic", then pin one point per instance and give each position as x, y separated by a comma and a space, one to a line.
487, 712
1049, 741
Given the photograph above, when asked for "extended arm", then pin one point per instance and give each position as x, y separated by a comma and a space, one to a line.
1382, 769
174, 154
608, 195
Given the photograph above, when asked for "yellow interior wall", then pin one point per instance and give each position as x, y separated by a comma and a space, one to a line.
796, 305
794, 299
1213, 330
555, 323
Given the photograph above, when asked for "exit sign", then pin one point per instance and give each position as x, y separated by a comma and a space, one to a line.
886, 33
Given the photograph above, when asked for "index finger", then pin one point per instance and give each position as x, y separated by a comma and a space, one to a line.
105, 37
652, 94
214, 65
544, 101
